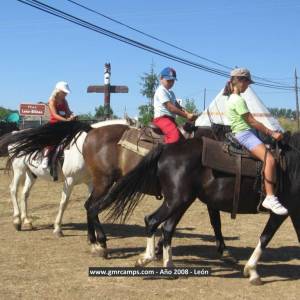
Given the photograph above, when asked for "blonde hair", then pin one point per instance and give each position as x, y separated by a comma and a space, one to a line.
54, 94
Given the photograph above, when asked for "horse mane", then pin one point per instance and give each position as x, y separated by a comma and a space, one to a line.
294, 140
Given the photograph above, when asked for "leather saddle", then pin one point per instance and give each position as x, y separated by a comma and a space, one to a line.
141, 141
224, 157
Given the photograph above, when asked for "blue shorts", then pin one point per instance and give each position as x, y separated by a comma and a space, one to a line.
248, 139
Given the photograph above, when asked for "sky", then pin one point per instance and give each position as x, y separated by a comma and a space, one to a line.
38, 49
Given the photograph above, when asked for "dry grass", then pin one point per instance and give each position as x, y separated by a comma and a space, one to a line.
37, 265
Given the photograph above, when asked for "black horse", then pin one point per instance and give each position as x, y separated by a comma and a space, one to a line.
183, 178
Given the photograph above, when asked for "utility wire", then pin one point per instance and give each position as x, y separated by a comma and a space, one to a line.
56, 12
167, 43
148, 35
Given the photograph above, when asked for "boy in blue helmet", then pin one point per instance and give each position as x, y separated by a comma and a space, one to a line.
166, 107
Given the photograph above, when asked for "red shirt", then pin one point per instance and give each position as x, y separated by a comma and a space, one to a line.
61, 109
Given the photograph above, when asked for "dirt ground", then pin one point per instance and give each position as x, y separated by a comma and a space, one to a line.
38, 265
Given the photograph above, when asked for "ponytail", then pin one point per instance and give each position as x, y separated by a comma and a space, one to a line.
227, 89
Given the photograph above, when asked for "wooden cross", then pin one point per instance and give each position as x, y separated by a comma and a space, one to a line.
107, 89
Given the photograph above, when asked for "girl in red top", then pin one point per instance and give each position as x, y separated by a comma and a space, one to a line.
58, 105
59, 112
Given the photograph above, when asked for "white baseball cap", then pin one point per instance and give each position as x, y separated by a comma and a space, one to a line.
63, 86
241, 72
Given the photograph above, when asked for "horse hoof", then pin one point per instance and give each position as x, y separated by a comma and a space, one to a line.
99, 251
169, 264
158, 256
27, 226
228, 257
58, 233
142, 262
17, 226
256, 281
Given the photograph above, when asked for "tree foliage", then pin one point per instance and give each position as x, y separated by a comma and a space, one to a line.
100, 112
4, 112
146, 114
283, 113
149, 83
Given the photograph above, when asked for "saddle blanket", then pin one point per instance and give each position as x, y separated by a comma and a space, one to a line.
140, 141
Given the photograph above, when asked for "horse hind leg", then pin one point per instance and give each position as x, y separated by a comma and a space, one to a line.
29, 181
164, 212
250, 269
168, 230
151, 222
96, 234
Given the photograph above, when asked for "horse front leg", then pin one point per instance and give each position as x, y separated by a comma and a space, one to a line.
296, 221
250, 269
14, 192
215, 221
29, 182
65, 196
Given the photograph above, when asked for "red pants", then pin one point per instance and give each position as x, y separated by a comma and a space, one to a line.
169, 128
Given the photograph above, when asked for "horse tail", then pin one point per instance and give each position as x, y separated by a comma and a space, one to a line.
32, 140
125, 195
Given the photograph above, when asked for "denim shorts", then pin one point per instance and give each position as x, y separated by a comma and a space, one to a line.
248, 139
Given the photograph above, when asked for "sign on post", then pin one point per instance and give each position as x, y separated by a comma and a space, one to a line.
32, 109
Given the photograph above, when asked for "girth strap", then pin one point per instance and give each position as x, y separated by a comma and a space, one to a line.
237, 187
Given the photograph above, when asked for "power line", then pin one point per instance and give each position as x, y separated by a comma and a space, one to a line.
56, 12
148, 35
167, 43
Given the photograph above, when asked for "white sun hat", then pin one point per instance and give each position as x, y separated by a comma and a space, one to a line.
63, 86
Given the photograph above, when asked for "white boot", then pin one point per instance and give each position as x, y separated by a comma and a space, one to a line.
45, 162
271, 202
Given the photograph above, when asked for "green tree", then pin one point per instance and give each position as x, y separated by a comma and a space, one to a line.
146, 113
4, 112
100, 112
150, 82
87, 116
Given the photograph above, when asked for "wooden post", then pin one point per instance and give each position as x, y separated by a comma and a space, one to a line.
297, 102
107, 89
204, 99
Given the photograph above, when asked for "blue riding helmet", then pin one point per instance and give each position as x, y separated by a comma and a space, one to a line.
168, 74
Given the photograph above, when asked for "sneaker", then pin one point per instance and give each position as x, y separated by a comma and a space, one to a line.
45, 162
272, 203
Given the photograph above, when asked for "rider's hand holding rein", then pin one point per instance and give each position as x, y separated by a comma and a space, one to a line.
276, 135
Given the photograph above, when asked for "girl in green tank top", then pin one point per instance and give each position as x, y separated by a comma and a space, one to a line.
241, 122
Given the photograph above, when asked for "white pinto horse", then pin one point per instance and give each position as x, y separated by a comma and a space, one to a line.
73, 172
